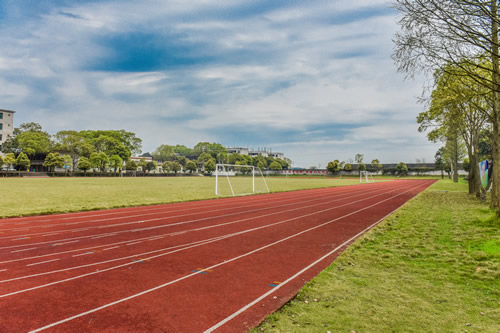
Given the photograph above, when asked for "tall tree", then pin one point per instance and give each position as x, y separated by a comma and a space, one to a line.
436, 33
459, 106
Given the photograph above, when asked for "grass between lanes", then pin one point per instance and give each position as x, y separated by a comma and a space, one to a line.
30, 196
433, 266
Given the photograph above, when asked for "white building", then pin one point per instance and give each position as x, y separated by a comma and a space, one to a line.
237, 150
6, 125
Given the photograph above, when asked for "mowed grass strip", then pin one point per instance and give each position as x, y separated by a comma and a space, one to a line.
433, 266
29, 196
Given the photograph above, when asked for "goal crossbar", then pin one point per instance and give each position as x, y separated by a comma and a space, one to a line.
222, 169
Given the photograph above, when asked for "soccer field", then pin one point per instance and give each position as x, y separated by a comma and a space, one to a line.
27, 196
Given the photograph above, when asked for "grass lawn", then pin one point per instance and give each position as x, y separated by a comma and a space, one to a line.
27, 196
433, 266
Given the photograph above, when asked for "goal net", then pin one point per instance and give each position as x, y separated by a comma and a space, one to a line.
365, 177
233, 180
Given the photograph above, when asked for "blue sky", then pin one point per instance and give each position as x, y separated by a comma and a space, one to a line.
312, 79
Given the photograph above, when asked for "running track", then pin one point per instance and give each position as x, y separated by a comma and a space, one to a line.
217, 265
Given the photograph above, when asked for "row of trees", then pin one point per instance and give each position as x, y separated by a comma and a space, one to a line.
457, 41
335, 166
111, 150
99, 148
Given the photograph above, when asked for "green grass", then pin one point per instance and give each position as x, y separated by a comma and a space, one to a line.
28, 196
433, 266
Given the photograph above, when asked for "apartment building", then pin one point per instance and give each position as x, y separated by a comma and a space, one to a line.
6, 125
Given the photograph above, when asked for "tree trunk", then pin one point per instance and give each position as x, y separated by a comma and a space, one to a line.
455, 159
495, 191
475, 166
471, 174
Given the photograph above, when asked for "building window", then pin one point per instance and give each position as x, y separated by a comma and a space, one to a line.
0, 137
1, 126
1, 115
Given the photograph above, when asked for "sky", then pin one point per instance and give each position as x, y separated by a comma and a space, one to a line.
312, 79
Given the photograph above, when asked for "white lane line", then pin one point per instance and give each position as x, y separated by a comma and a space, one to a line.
31, 248
211, 267
291, 278
41, 262
3, 270
155, 238
102, 236
75, 241
134, 243
110, 248
46, 235
83, 254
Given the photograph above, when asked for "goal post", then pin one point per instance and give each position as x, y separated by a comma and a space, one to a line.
234, 180
365, 177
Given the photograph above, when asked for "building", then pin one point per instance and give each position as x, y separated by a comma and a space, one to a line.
6, 125
237, 150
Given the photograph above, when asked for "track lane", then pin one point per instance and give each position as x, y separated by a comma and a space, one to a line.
181, 263
250, 223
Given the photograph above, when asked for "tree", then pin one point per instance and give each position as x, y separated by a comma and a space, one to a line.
164, 153
358, 158
150, 166
334, 166
9, 160
176, 167
84, 164
167, 166
376, 164
68, 162
74, 144
347, 167
284, 164
458, 107
53, 160
191, 166
99, 161
128, 140
204, 158
361, 167
210, 166
214, 149
131, 166
439, 163
182, 160
1, 161
437, 33
275, 166
22, 161
115, 162
402, 169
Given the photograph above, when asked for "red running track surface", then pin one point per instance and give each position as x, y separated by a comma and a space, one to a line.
218, 265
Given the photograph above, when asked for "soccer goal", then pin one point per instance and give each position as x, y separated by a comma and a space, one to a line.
365, 177
231, 179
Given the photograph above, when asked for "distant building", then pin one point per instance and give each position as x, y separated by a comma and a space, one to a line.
6, 125
237, 150
255, 153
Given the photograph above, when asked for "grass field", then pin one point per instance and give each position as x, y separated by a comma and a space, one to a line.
27, 196
433, 266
